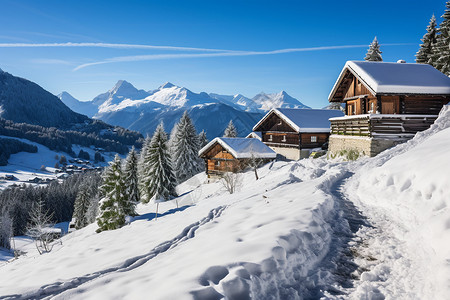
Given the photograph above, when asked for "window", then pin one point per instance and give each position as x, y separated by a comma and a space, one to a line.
284, 138
217, 163
313, 139
270, 138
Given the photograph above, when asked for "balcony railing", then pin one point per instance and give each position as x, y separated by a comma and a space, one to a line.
385, 125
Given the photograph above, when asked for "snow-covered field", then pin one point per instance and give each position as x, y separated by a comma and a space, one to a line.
25, 165
371, 229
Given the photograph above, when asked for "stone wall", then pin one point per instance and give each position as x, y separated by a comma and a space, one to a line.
364, 145
288, 153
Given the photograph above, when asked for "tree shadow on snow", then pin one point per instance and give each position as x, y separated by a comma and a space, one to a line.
151, 216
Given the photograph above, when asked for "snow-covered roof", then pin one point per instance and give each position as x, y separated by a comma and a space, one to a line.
255, 135
304, 120
241, 147
396, 78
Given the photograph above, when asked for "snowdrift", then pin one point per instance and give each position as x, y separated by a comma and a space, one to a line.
409, 186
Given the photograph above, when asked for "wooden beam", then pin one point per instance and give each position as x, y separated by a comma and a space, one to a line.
379, 104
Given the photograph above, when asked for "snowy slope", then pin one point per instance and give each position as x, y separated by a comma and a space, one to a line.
377, 228
273, 227
405, 191
24, 165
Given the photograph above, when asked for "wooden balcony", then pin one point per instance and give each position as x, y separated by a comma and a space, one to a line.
381, 125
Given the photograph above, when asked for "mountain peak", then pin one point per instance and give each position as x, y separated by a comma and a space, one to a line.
166, 85
63, 94
122, 85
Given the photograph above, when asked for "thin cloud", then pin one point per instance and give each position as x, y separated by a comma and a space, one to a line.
51, 61
106, 45
226, 53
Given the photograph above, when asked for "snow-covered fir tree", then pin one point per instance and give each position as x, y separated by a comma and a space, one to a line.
374, 53
185, 145
6, 229
132, 195
230, 131
423, 56
81, 206
203, 140
158, 176
440, 59
141, 170
112, 190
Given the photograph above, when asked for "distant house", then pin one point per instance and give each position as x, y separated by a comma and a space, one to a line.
232, 154
385, 104
292, 132
254, 135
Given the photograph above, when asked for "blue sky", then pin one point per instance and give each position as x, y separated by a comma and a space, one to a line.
241, 30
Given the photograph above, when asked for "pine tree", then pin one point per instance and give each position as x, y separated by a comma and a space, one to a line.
159, 179
230, 131
184, 149
81, 206
203, 140
440, 59
6, 229
131, 196
374, 53
423, 56
112, 215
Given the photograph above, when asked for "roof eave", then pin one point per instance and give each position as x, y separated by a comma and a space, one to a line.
347, 66
282, 116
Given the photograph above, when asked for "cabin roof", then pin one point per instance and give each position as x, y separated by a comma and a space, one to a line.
255, 135
395, 78
241, 147
304, 120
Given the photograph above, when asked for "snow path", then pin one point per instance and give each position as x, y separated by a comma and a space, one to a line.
51, 290
291, 277
337, 270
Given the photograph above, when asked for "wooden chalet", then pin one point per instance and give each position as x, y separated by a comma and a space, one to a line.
292, 132
223, 155
385, 104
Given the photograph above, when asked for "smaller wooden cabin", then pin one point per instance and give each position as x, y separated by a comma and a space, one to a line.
386, 104
293, 132
223, 155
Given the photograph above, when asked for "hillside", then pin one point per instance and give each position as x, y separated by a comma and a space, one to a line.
307, 229
24, 101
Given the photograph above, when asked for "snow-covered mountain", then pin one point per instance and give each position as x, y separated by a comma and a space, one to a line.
140, 110
123, 90
83, 107
238, 101
23, 101
281, 99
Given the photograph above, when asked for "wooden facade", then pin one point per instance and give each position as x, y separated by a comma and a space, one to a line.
219, 160
386, 104
377, 110
359, 99
278, 133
